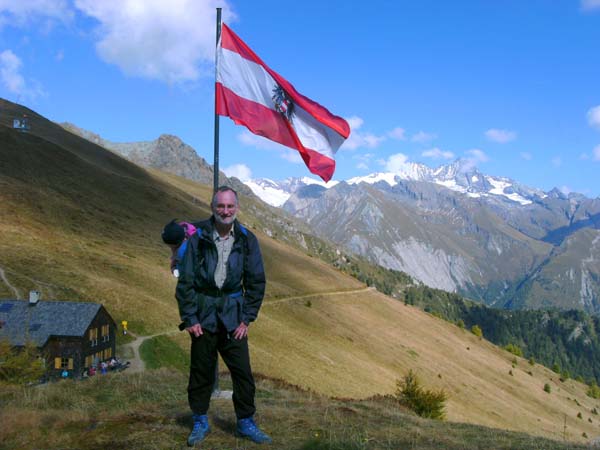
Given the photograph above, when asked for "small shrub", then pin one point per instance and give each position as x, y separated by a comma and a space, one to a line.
515, 361
584, 435
579, 416
532, 361
593, 391
547, 388
308, 303
514, 349
556, 368
477, 331
594, 411
424, 402
530, 373
590, 420
460, 324
20, 365
510, 372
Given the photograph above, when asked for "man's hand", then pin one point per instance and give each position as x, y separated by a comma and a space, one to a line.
241, 331
195, 330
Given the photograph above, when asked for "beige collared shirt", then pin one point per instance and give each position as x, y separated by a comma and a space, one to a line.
224, 245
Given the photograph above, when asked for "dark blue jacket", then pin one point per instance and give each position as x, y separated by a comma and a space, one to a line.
240, 297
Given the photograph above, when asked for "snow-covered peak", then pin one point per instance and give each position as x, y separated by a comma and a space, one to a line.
268, 191
503, 186
388, 177
458, 176
276, 193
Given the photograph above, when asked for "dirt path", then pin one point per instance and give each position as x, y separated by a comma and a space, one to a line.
10, 286
318, 294
136, 364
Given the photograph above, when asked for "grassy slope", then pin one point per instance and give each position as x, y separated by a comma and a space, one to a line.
149, 411
78, 223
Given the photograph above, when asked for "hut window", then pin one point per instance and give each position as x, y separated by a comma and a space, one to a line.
63, 363
105, 333
93, 336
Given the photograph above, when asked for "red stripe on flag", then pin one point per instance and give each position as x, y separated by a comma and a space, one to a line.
232, 42
270, 124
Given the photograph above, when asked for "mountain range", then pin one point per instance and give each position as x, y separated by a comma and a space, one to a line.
455, 228
489, 238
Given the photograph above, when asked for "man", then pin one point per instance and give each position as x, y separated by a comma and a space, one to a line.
220, 289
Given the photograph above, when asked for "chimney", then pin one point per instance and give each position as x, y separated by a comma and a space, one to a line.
34, 297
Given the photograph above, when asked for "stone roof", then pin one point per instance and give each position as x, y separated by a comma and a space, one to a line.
23, 322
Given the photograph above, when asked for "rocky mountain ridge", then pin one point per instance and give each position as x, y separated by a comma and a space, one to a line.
454, 228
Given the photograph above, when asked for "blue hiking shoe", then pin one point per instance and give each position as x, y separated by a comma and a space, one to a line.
200, 430
247, 428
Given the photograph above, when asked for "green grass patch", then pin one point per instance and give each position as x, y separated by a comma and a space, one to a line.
160, 351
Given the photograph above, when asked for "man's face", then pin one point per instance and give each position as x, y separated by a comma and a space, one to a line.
225, 208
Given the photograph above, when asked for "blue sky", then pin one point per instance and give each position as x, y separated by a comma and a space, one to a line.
514, 86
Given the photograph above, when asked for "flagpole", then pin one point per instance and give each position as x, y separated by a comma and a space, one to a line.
216, 154
216, 390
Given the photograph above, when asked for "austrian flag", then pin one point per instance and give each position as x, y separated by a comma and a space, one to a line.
253, 95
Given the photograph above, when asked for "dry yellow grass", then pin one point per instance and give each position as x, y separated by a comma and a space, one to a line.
80, 224
358, 345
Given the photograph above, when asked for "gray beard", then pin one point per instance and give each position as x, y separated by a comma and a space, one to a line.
220, 221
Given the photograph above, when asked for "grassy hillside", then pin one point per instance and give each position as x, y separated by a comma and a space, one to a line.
80, 223
130, 411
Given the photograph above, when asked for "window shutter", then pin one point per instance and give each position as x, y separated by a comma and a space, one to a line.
70, 363
57, 363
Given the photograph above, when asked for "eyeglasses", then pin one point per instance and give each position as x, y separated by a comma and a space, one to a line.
223, 207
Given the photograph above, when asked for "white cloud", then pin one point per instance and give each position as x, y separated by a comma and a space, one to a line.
359, 139
355, 122
593, 116
12, 79
584, 156
556, 161
472, 159
396, 163
397, 133
565, 190
436, 153
240, 171
170, 41
596, 153
10, 72
292, 156
253, 140
23, 12
363, 160
589, 5
526, 156
423, 137
500, 136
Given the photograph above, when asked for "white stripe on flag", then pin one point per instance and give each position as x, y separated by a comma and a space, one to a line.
252, 82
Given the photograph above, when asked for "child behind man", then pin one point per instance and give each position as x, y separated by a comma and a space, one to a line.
175, 235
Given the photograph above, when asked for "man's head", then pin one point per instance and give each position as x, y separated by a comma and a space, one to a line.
225, 205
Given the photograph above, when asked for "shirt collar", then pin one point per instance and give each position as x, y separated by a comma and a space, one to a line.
216, 236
